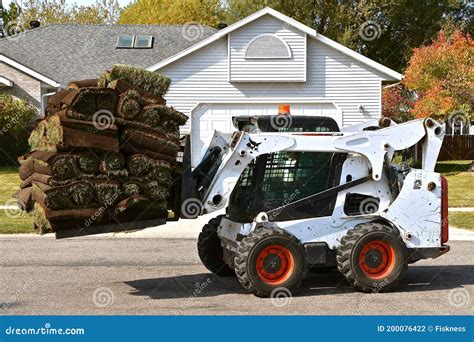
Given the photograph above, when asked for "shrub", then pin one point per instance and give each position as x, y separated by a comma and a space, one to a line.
16, 120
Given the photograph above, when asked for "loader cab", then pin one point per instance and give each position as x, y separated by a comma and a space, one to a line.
276, 179
285, 123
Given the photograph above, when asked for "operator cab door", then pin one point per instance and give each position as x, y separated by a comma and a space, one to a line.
276, 179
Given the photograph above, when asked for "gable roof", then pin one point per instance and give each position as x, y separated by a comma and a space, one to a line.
393, 75
62, 53
28, 71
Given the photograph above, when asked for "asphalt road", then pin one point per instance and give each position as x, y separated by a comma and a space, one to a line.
165, 276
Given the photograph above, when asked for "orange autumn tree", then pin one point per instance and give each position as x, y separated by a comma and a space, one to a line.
442, 75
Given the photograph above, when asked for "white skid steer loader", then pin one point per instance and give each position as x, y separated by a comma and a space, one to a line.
300, 193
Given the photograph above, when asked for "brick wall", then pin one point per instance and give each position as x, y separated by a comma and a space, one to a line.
24, 86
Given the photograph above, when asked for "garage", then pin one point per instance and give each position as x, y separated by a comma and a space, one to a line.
209, 116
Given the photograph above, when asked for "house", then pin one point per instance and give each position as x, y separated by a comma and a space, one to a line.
248, 68
44, 59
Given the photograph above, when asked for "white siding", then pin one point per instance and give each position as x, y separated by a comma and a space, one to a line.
254, 70
216, 116
331, 76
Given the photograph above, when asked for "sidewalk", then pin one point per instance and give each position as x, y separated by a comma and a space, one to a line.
190, 229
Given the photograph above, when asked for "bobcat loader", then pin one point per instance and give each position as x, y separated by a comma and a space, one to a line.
300, 193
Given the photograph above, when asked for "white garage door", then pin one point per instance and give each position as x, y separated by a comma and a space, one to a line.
208, 117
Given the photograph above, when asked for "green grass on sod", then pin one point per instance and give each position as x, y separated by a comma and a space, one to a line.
462, 219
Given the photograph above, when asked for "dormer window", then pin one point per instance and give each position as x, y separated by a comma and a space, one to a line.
267, 46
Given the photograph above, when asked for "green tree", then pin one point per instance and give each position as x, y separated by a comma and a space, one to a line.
16, 119
59, 12
206, 12
9, 17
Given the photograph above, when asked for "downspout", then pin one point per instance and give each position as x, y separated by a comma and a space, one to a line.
43, 103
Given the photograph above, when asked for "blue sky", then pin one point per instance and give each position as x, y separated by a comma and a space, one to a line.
79, 2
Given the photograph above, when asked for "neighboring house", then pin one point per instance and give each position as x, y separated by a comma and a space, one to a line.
248, 68
44, 59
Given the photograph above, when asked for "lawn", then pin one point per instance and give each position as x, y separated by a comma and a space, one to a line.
9, 183
12, 221
462, 219
460, 182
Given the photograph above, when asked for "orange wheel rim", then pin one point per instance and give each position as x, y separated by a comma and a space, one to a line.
275, 264
377, 259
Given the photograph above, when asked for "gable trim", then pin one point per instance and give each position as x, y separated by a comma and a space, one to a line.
6, 82
393, 75
28, 71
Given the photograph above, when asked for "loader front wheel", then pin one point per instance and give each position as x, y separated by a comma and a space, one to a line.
268, 260
210, 250
372, 257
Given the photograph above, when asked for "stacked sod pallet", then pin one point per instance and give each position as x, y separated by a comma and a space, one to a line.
104, 154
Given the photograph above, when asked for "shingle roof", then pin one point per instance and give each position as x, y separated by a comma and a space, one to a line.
69, 52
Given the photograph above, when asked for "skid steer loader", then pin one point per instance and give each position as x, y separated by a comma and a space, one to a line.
301, 193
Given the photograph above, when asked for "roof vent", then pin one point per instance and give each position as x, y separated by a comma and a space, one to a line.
267, 46
34, 24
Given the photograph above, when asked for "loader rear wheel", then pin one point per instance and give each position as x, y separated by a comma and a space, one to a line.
372, 257
210, 250
269, 259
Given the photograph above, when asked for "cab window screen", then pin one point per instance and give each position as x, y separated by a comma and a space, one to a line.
276, 179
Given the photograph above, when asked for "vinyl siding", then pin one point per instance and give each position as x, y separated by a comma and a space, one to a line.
255, 70
331, 75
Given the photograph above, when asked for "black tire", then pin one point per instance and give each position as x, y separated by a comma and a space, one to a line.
388, 247
210, 250
251, 251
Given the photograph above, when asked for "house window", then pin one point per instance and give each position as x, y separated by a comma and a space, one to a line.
143, 42
125, 41
267, 46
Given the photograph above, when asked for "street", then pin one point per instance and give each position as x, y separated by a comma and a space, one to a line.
158, 276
